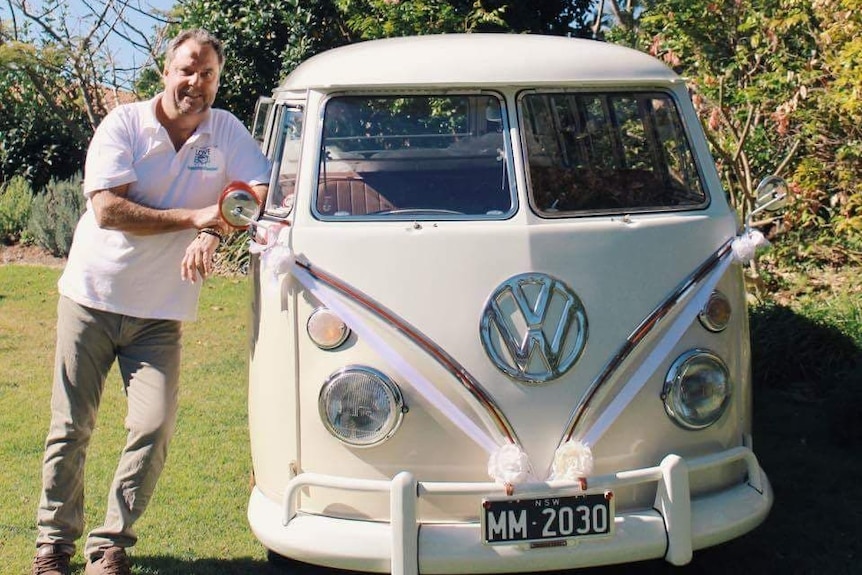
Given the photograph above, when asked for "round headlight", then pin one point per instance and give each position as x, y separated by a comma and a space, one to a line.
360, 406
715, 315
326, 329
697, 389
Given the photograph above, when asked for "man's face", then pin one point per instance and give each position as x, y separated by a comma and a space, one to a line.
191, 79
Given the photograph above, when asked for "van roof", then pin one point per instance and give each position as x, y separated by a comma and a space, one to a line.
476, 60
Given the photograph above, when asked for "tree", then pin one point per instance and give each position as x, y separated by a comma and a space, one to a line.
777, 86
267, 39
385, 18
81, 62
746, 61
255, 33
622, 17
833, 171
42, 131
58, 78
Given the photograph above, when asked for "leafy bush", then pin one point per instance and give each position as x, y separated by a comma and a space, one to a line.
40, 138
15, 200
55, 214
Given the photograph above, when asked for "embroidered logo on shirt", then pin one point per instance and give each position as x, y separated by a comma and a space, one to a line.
202, 160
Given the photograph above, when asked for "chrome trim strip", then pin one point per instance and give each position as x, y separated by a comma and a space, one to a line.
427, 345
640, 333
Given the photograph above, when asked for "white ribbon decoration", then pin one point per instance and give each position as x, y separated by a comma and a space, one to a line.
508, 463
572, 461
277, 259
662, 349
742, 250
404, 369
745, 246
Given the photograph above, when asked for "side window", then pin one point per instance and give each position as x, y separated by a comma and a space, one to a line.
286, 160
607, 153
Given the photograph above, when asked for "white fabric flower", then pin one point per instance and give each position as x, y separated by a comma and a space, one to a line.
509, 464
745, 246
275, 255
572, 460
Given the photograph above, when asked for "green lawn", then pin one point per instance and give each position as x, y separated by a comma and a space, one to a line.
196, 522
807, 430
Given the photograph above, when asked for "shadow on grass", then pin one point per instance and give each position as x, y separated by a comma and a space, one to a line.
807, 360
807, 432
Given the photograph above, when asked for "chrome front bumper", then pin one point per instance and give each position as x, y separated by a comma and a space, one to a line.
672, 529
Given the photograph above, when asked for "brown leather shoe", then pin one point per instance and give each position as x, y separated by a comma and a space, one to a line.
53, 559
113, 562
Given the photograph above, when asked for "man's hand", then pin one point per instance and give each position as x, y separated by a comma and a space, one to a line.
199, 257
208, 217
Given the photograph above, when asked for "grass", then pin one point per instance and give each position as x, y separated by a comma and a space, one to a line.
196, 522
808, 416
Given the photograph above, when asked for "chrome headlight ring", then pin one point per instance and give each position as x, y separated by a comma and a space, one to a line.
697, 389
361, 406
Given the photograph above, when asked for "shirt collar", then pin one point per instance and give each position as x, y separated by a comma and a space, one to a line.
151, 121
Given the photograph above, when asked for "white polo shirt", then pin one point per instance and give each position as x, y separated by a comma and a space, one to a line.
139, 275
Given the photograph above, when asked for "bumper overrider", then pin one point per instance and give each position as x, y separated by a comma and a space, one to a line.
673, 528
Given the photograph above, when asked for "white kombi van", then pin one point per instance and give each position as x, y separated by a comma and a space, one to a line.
499, 322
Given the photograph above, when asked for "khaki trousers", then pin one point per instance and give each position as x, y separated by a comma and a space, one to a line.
147, 353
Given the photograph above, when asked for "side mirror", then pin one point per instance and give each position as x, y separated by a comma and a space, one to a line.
770, 196
239, 205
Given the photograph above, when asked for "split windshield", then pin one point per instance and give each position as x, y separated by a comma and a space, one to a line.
428, 156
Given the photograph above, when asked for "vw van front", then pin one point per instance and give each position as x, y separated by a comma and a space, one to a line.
498, 322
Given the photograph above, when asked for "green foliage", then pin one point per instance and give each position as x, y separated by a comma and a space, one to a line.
776, 84
255, 33
555, 17
370, 19
748, 63
55, 213
314, 26
15, 200
266, 39
836, 130
41, 135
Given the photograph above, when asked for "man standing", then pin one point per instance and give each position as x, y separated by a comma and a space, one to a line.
152, 179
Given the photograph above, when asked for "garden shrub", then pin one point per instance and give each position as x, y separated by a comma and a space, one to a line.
16, 198
55, 213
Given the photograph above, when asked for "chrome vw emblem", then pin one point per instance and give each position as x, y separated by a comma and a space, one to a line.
534, 328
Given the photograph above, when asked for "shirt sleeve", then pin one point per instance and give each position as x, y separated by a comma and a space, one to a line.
110, 156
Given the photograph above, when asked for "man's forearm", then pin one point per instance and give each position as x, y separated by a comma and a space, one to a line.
116, 212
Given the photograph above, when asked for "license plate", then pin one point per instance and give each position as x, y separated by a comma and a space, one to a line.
522, 520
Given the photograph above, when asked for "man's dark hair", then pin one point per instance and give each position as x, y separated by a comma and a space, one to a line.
199, 35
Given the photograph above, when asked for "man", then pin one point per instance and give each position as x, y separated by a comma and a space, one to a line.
152, 179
